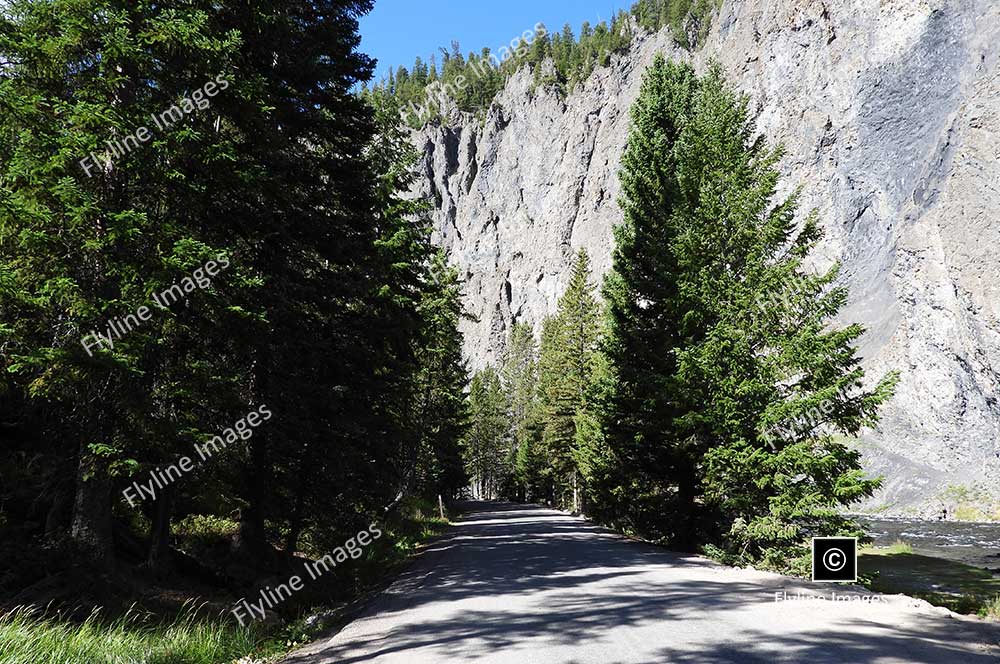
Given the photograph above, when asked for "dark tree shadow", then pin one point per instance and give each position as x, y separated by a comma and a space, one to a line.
521, 553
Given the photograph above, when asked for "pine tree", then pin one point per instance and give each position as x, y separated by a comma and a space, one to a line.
603, 483
531, 467
567, 363
284, 176
519, 374
640, 293
743, 367
83, 243
701, 248
487, 446
442, 415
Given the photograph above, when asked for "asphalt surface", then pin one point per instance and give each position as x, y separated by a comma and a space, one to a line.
522, 584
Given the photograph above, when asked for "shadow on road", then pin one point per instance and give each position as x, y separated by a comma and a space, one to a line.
568, 582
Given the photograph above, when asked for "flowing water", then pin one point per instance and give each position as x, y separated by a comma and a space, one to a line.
962, 541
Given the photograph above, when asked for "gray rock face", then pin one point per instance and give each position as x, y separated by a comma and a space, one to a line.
889, 111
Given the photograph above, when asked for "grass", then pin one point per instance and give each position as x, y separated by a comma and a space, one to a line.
961, 588
30, 636
899, 546
27, 637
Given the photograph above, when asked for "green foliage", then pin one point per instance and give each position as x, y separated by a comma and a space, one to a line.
548, 393
658, 476
574, 59
442, 415
991, 609
333, 310
529, 469
560, 60
689, 20
707, 365
487, 445
199, 532
27, 638
519, 376
899, 546
569, 358
532, 470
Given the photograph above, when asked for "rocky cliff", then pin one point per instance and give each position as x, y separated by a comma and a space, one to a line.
889, 111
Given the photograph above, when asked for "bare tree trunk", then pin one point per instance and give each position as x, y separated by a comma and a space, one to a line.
91, 527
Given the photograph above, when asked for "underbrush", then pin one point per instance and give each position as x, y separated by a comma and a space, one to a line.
416, 522
201, 532
991, 609
195, 635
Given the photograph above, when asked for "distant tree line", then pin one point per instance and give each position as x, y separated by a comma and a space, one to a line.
654, 409
560, 60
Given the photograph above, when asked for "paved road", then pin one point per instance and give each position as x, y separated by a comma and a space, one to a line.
522, 584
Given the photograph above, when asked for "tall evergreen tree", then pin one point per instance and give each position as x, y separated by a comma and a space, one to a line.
640, 293
86, 241
487, 446
519, 375
744, 366
567, 363
285, 174
701, 247
442, 416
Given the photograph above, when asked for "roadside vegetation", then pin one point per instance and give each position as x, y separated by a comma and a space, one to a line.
28, 638
334, 314
204, 633
991, 609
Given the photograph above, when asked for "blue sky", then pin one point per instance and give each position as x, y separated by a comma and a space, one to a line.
396, 31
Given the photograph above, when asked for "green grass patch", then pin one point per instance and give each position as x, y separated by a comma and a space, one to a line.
27, 637
961, 588
899, 546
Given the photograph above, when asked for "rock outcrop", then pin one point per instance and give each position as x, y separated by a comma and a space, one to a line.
889, 111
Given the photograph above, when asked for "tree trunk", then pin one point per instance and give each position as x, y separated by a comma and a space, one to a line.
295, 523
686, 533
91, 527
251, 541
60, 511
158, 559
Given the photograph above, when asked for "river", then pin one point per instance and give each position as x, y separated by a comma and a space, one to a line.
963, 541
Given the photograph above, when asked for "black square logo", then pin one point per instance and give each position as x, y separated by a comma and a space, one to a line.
835, 558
